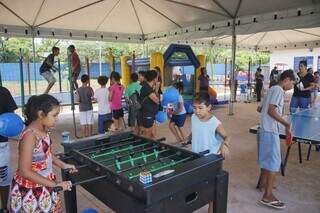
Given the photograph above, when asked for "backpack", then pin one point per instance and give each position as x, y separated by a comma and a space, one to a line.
133, 101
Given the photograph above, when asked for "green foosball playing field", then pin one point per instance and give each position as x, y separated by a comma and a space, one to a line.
131, 159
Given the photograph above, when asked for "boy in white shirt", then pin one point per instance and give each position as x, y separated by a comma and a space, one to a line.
101, 96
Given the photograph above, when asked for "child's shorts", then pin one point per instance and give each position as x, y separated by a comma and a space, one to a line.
179, 119
269, 155
147, 121
86, 117
117, 113
5, 166
101, 120
314, 94
48, 75
132, 117
139, 118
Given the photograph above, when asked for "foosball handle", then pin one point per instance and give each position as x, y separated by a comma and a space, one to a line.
57, 188
204, 152
77, 167
161, 139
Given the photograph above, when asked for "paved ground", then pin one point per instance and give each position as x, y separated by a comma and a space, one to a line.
300, 189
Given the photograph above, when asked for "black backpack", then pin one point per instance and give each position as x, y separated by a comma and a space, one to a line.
134, 101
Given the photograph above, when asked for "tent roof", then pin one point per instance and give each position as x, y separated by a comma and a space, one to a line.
152, 20
265, 41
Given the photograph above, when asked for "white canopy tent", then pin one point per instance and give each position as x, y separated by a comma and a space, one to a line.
152, 20
270, 40
213, 22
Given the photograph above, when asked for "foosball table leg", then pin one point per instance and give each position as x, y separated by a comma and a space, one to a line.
70, 197
221, 196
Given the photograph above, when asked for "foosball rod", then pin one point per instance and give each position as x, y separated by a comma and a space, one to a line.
106, 143
117, 143
112, 147
144, 165
143, 156
117, 151
77, 167
122, 156
59, 188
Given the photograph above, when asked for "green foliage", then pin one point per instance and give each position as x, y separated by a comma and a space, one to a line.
218, 56
10, 48
10, 51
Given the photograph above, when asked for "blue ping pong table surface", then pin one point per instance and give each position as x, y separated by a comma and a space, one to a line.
305, 130
305, 126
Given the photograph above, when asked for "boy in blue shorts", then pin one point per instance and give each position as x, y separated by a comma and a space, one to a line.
269, 155
179, 115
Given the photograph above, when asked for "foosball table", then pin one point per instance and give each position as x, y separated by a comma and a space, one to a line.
130, 173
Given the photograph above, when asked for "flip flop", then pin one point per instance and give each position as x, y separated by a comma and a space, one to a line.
185, 143
276, 204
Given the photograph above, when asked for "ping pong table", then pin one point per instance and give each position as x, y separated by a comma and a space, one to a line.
305, 130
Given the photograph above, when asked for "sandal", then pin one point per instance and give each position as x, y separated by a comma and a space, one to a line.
185, 143
277, 204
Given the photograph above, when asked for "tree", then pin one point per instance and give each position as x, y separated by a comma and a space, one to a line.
10, 48
10, 51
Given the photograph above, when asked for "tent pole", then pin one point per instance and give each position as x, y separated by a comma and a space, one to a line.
233, 64
21, 78
28, 75
59, 72
34, 63
133, 66
225, 78
100, 60
72, 95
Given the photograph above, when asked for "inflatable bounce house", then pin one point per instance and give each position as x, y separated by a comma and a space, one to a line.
185, 68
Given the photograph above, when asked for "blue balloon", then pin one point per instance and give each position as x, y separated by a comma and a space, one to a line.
11, 124
161, 116
171, 95
89, 211
164, 103
190, 109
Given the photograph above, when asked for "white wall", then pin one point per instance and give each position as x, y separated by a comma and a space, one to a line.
287, 57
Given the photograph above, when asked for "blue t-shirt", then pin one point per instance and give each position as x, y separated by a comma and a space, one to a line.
204, 135
45, 65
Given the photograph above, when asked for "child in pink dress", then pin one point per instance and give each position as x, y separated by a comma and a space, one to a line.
32, 185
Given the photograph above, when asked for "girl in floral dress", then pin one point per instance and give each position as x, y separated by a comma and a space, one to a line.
31, 189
